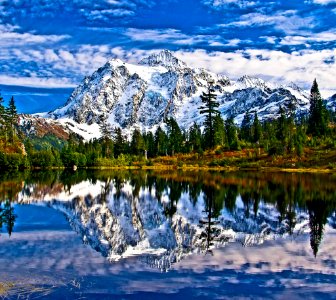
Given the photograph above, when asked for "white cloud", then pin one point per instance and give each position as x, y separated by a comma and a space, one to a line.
325, 36
10, 37
172, 36
324, 2
106, 14
299, 67
287, 21
269, 39
220, 3
97, 10
36, 81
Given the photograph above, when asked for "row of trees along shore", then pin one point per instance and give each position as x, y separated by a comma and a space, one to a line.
288, 135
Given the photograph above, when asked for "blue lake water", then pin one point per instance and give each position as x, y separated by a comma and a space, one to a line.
180, 235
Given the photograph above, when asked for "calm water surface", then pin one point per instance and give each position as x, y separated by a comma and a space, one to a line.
167, 235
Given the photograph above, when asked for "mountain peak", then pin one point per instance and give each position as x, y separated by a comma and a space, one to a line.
163, 58
251, 82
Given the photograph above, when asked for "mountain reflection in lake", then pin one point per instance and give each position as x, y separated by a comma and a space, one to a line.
163, 217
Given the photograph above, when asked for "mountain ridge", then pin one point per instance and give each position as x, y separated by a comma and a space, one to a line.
144, 95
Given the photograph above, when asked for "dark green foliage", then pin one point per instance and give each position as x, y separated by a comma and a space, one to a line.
195, 138
120, 143
281, 125
106, 141
138, 145
150, 144
246, 128
299, 140
13, 161
209, 108
160, 142
11, 119
175, 137
219, 131
43, 143
45, 159
71, 159
318, 116
2, 112
256, 129
269, 135
231, 134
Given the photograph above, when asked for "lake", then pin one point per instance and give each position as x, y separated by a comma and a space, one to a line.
167, 234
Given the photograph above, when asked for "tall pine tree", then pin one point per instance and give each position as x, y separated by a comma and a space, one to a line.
231, 134
257, 130
209, 108
160, 142
120, 143
11, 119
138, 145
245, 131
219, 131
175, 137
2, 116
195, 138
318, 117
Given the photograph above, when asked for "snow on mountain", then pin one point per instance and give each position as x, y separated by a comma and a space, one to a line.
165, 59
160, 86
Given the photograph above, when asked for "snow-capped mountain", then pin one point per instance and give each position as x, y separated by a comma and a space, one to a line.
127, 95
160, 86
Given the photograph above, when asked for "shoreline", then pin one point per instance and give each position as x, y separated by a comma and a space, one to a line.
196, 168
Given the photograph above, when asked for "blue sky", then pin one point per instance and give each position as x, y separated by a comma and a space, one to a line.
54, 44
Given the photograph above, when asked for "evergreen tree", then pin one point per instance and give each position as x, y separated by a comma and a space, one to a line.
219, 131
195, 138
106, 139
2, 112
138, 146
160, 142
245, 131
209, 108
231, 134
8, 119
120, 146
256, 128
281, 125
175, 138
318, 118
150, 144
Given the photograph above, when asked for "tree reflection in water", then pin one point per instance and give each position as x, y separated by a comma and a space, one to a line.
176, 212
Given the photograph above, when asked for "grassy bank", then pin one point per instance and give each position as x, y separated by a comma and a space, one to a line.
313, 160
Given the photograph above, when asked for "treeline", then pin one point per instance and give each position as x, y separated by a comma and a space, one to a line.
287, 135
12, 152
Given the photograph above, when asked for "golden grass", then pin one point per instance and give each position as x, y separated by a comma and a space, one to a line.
22, 290
5, 287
